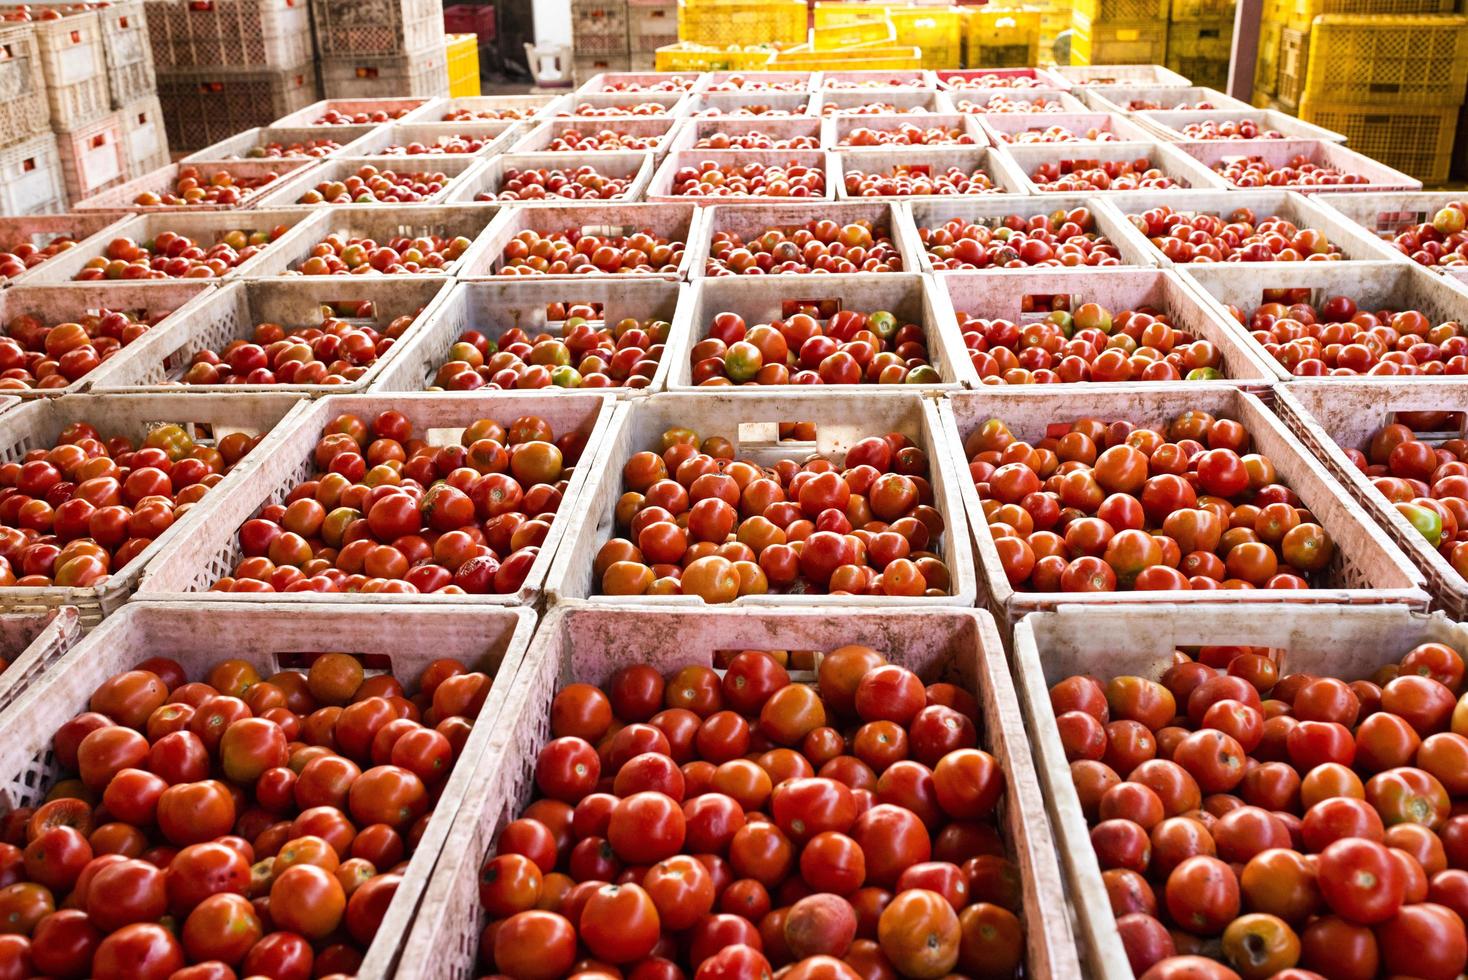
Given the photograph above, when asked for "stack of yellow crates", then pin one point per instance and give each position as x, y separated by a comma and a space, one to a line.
937, 32
1119, 32
1001, 37
1391, 82
1200, 37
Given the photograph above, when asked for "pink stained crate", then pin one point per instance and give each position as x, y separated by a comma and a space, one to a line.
758, 83
578, 643
677, 222
303, 180
393, 139
187, 571
837, 81
1169, 123
327, 112
40, 231
31, 178
641, 81
700, 128
659, 133
229, 35
883, 103
480, 108
94, 157
661, 187
271, 638
75, 66
251, 143
755, 105
986, 159
1026, 128
1379, 176
603, 105
123, 197
1003, 294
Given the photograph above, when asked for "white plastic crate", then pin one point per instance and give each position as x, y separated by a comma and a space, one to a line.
270, 638
93, 157
287, 193
188, 568
976, 100
675, 222
156, 364
1022, 78
144, 138
494, 306
1386, 213
1000, 294
987, 159
1169, 123
31, 178
1149, 97
123, 197
837, 128
841, 419
632, 81
25, 110
38, 424
40, 230
578, 643
839, 81
469, 220
201, 226
910, 297
489, 107
30, 643
906, 102
661, 186
246, 145
1379, 176
1114, 75
749, 221
237, 34
1002, 127
485, 181
1365, 569
793, 81
756, 105
1189, 173
380, 140
616, 105
1348, 643
537, 137
75, 66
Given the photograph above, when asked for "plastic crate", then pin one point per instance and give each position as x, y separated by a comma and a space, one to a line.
911, 297
599, 31
40, 422
420, 76
1169, 123
1160, 98
537, 137
1191, 10
582, 644
377, 28
229, 35
30, 643
1320, 641
127, 49
1266, 63
1122, 11
1292, 66
486, 108
837, 129
1383, 216
1301, 13
675, 222
409, 220
1190, 175
585, 68
991, 161
24, 111
131, 83
1000, 38
999, 78
803, 58
232, 312
1107, 42
287, 192
186, 570
40, 230
122, 197
383, 110
1394, 285
645, 81
200, 108
1002, 294
270, 638
31, 178
1140, 76
726, 22
94, 157
1004, 127
937, 31
661, 186
756, 104
913, 102
749, 221
471, 18
487, 178
168, 305
695, 57
75, 66
651, 25
1367, 569
1277, 152
1017, 101
871, 29
621, 105
379, 140
494, 306
203, 227
1200, 50
247, 145
1395, 61
841, 418
462, 54
841, 81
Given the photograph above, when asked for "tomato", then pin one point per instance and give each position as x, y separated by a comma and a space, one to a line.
1408, 795
681, 889
1360, 881
619, 923
222, 927
892, 839
1281, 882
1202, 895
1424, 940
833, 862
738, 961
646, 828
142, 951
567, 768
819, 925
920, 934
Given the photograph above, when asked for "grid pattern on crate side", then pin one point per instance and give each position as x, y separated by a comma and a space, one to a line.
1300, 13
31, 178
650, 26
376, 28
724, 22
24, 109
144, 138
600, 30
372, 78
1117, 43
202, 108
125, 34
131, 82
1001, 38
75, 68
1290, 68
1388, 61
1417, 140
229, 34
1121, 11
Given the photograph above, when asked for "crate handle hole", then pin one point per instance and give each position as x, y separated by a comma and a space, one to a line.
1038, 306
753, 435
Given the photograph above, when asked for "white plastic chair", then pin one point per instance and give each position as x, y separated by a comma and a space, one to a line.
550, 65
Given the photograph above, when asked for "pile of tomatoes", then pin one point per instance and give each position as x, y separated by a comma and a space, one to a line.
173, 256
755, 140
370, 185
1278, 823
753, 109
336, 351
851, 85
821, 245
716, 827
1101, 175
489, 115
713, 179
319, 147
1058, 134
336, 117
238, 822
1018, 241
845, 348
387, 512
1229, 129
573, 140
1098, 507
915, 180
869, 109
1299, 170
668, 83
993, 80
1090, 344
342, 254
583, 183
586, 110
73, 514
194, 187
696, 520
586, 353
444, 144
1440, 240
34, 354
1427, 483
558, 253
1005, 102
1339, 338
908, 134
21, 256
1193, 236
742, 83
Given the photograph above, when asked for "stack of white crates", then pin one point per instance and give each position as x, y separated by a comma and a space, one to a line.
381, 48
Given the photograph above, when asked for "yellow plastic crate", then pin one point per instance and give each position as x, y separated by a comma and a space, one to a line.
1416, 140
1266, 64
805, 58
1117, 44
1123, 11
1191, 10
721, 23
463, 64
1388, 60
872, 30
937, 31
1294, 60
1300, 13
697, 57
999, 38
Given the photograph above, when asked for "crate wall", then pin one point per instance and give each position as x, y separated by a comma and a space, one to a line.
377, 28
144, 137
93, 157
25, 110
203, 107
31, 180
229, 34
75, 67
422, 75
